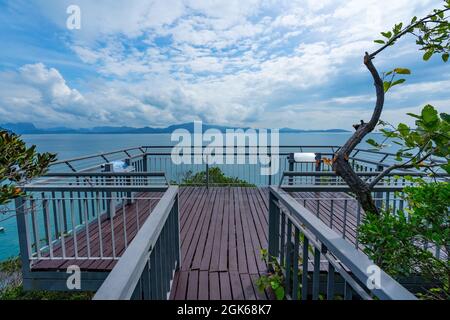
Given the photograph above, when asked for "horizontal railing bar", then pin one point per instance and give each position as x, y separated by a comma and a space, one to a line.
361, 174
121, 282
105, 174
94, 156
345, 252
67, 188
235, 147
335, 188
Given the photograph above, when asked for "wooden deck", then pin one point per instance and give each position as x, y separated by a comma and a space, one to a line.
222, 231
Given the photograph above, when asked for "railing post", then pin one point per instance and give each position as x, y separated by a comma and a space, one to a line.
109, 207
144, 163
270, 170
23, 238
318, 167
274, 228
207, 172
379, 195
291, 161
128, 182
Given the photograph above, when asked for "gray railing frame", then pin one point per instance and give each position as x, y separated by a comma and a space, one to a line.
330, 242
124, 278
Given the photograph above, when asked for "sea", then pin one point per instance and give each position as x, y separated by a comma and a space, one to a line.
68, 146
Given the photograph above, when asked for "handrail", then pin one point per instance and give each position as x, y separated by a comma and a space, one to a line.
94, 188
361, 174
97, 155
123, 279
356, 261
105, 174
144, 150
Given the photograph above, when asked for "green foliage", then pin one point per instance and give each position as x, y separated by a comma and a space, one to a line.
216, 177
391, 75
429, 138
18, 164
11, 265
275, 279
18, 293
15, 291
395, 240
431, 32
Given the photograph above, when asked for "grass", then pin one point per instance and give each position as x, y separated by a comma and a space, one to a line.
15, 291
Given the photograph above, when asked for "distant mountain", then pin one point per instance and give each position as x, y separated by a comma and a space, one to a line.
29, 128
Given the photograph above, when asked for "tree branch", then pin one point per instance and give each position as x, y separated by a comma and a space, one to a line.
405, 31
394, 167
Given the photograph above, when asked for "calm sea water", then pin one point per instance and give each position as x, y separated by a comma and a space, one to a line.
74, 145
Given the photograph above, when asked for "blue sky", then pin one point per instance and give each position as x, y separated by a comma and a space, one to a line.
259, 63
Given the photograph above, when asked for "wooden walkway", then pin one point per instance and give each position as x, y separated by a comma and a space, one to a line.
222, 231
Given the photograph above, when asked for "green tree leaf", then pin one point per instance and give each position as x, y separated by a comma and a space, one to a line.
428, 55
445, 57
429, 114
402, 71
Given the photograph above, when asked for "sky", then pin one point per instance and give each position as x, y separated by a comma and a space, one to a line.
257, 63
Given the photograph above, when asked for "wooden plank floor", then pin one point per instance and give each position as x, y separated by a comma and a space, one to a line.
222, 233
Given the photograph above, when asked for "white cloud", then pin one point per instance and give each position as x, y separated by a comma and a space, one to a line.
223, 61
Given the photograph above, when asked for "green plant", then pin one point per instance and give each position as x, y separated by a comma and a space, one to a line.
11, 265
18, 164
395, 241
18, 293
216, 176
274, 279
14, 291
418, 145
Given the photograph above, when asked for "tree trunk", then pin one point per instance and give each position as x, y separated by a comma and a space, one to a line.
341, 163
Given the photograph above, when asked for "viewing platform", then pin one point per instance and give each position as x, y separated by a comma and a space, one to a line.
145, 233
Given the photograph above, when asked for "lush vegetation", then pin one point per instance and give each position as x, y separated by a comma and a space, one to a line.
18, 164
399, 242
216, 177
11, 268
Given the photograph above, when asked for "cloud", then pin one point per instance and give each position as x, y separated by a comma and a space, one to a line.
258, 63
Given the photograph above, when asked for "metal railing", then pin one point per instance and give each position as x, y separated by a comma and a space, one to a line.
330, 199
301, 242
84, 216
146, 269
239, 162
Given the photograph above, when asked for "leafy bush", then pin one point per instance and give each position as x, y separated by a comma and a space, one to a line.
14, 290
18, 293
18, 164
216, 176
273, 280
396, 241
